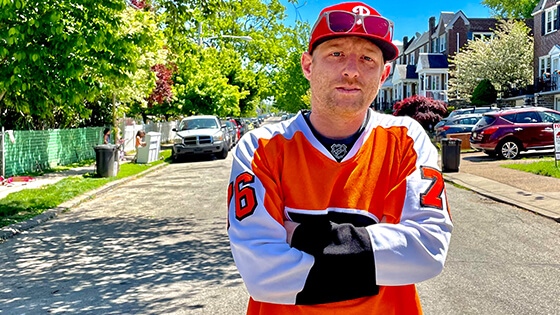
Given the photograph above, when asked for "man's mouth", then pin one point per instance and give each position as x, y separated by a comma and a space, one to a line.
347, 89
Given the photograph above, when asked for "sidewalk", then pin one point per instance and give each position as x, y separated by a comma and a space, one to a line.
49, 178
485, 176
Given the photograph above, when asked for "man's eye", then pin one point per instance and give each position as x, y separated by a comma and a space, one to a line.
366, 58
337, 54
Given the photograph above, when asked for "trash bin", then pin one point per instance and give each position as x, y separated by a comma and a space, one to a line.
107, 160
450, 154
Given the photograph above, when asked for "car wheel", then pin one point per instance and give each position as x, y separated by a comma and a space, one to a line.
223, 154
509, 149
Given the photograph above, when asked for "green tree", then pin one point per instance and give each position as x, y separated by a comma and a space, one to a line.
506, 60
484, 93
291, 87
199, 32
512, 8
58, 57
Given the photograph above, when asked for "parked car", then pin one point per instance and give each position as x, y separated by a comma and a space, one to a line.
508, 132
255, 122
200, 135
237, 127
231, 133
472, 110
456, 124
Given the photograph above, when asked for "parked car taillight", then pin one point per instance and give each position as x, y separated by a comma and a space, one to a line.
489, 131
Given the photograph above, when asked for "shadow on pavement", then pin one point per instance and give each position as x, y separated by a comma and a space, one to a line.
115, 265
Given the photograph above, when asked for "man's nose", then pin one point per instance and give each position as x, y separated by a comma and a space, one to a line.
351, 68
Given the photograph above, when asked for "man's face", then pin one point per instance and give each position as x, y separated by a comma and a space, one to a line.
345, 74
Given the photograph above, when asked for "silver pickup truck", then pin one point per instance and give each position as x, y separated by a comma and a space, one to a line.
200, 135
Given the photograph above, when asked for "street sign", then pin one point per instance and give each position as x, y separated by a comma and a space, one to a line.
557, 142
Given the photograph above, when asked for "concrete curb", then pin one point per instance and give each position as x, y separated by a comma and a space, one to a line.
17, 228
537, 203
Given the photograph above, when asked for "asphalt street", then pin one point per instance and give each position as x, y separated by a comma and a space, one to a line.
158, 245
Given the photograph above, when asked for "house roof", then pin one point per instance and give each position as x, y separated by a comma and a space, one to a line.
554, 50
458, 15
388, 84
483, 24
405, 72
444, 19
432, 61
418, 42
539, 7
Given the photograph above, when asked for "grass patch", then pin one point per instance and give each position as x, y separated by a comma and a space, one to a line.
541, 167
27, 203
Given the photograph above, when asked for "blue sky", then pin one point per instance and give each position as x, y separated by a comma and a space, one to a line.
409, 16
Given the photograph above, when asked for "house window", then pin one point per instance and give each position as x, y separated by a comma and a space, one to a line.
551, 17
544, 65
482, 35
412, 59
442, 43
422, 49
435, 82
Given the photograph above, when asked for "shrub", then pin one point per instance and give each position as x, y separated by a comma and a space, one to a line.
428, 112
484, 93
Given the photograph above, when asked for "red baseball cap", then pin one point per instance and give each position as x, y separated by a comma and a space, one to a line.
354, 19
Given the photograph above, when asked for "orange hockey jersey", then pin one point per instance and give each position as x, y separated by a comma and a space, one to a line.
371, 225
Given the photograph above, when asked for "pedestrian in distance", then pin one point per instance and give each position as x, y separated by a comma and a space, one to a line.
340, 209
107, 136
140, 139
139, 142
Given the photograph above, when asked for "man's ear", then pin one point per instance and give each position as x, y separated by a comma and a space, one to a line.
386, 72
306, 60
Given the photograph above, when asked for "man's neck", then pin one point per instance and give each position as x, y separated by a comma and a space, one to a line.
336, 127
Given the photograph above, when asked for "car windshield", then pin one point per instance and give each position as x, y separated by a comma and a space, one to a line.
198, 123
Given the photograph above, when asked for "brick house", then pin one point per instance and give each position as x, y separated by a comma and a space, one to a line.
546, 61
422, 66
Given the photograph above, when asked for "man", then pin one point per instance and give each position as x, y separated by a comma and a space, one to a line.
339, 210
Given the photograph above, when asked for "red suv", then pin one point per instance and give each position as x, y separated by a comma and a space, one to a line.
508, 132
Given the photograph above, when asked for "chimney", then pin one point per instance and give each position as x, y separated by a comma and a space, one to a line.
431, 30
